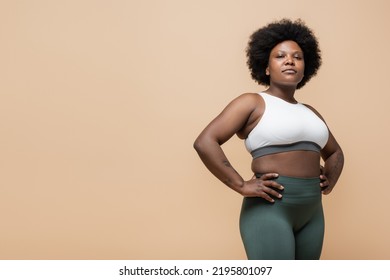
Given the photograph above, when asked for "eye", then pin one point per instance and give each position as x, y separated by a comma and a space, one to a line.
298, 57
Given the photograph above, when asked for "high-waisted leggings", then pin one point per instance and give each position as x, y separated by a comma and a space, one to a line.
289, 228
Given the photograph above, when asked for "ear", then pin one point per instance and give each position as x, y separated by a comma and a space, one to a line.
267, 71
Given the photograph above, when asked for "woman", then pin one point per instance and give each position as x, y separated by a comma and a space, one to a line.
281, 216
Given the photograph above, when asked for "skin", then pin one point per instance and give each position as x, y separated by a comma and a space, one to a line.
286, 69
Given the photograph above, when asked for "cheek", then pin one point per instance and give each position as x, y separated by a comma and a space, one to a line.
303, 65
274, 66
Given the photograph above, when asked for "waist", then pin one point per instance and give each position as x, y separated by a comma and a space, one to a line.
298, 187
294, 180
301, 164
275, 149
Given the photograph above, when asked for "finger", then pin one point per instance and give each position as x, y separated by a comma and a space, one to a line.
266, 197
327, 189
324, 181
269, 191
273, 184
273, 193
269, 176
324, 184
267, 180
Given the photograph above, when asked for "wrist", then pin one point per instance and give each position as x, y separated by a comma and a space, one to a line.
236, 185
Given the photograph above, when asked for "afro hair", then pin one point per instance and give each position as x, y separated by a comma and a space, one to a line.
266, 38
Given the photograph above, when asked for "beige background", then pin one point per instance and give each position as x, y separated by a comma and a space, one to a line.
100, 102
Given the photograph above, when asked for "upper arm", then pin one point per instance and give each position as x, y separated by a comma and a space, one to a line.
231, 120
331, 146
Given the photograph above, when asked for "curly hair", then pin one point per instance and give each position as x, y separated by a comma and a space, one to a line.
266, 38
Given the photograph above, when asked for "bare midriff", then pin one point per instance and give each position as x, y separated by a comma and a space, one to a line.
302, 164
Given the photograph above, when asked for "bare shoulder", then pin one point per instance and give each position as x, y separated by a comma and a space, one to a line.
247, 100
249, 96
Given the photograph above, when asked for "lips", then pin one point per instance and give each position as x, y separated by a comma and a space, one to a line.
289, 71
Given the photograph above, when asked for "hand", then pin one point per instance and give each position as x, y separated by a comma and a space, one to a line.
263, 187
326, 188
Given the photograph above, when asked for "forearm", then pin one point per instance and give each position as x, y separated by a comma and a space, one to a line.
217, 163
333, 167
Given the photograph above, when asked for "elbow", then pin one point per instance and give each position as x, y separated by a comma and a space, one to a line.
198, 145
203, 143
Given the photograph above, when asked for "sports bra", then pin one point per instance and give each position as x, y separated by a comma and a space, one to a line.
286, 127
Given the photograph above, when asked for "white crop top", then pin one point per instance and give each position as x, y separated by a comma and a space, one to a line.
285, 127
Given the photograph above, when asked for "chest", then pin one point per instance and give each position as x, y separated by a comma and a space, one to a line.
290, 121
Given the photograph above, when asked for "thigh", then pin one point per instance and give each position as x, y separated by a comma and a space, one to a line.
309, 239
266, 231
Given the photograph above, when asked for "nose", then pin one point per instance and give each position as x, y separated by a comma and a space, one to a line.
289, 60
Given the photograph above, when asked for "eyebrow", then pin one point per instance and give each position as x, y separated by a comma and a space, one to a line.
284, 51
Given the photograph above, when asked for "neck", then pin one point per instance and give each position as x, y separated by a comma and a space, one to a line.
284, 92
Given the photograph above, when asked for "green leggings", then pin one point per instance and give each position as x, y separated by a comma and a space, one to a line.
290, 228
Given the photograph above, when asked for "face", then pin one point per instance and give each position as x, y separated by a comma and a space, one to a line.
286, 64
